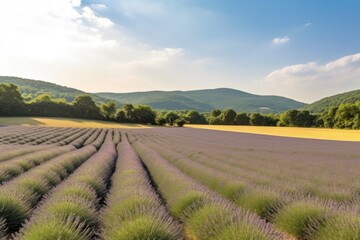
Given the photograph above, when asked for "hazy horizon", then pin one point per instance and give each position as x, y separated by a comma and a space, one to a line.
301, 50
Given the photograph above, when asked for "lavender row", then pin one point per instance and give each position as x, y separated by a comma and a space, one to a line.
302, 217
133, 209
19, 165
20, 195
70, 211
205, 214
11, 153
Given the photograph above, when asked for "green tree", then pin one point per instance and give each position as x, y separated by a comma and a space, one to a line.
295, 118
228, 116
269, 120
120, 116
215, 120
346, 116
44, 105
242, 119
256, 119
195, 117
215, 112
180, 122
85, 107
108, 109
329, 117
143, 114
11, 101
128, 108
171, 117
161, 121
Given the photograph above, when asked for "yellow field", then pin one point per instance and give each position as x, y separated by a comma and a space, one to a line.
314, 133
64, 122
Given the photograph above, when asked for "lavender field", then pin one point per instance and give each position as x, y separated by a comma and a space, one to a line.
175, 183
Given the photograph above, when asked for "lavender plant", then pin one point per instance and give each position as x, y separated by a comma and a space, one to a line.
18, 165
133, 209
72, 207
200, 209
20, 195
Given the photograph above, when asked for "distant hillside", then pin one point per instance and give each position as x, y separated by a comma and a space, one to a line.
35, 87
206, 100
333, 101
201, 100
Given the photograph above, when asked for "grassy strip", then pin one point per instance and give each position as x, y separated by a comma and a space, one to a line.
205, 214
17, 166
17, 197
134, 210
70, 211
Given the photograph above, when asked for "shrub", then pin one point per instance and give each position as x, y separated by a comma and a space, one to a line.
180, 122
263, 203
340, 227
301, 219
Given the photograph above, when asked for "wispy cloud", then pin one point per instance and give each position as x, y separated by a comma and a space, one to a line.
279, 40
311, 81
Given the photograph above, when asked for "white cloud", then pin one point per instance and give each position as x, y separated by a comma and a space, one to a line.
65, 42
312, 81
90, 16
75, 3
278, 41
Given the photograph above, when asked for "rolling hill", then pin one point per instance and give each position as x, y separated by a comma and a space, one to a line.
201, 100
35, 87
333, 101
206, 100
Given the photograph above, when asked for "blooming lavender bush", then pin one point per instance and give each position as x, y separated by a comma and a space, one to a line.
72, 207
133, 209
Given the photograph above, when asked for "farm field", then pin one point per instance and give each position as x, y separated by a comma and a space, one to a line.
311, 133
175, 183
64, 122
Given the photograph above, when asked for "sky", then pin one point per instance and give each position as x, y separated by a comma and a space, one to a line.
304, 50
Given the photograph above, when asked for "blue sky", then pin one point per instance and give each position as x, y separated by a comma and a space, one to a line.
303, 50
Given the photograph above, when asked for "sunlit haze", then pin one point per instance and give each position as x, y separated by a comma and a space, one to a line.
304, 50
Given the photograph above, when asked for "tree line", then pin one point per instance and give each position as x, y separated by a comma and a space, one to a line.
83, 106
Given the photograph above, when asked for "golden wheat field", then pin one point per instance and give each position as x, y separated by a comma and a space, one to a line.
312, 133
64, 122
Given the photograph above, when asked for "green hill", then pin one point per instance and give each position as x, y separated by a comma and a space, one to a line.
201, 100
33, 88
206, 100
333, 101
